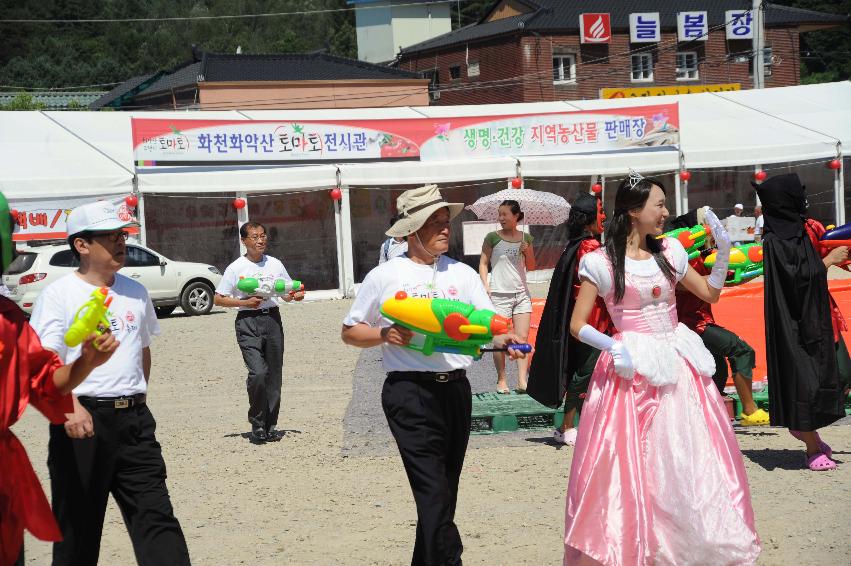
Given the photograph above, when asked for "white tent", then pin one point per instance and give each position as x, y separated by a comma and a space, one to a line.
41, 159
90, 153
46, 155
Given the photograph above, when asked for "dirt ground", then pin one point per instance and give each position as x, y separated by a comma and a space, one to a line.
301, 501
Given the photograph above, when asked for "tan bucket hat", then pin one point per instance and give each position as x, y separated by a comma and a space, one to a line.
416, 205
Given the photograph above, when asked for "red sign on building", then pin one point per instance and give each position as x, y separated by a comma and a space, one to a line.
595, 28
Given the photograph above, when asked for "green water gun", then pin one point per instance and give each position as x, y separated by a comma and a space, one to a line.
267, 289
449, 326
90, 318
745, 264
693, 239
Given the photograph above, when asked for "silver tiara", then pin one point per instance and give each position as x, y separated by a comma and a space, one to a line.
634, 179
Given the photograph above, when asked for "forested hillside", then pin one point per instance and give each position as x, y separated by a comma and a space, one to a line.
67, 54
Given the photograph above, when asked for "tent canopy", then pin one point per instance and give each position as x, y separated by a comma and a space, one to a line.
41, 159
61, 154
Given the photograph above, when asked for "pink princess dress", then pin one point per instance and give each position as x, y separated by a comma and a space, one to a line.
657, 476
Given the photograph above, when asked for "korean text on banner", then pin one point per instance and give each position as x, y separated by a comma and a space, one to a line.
163, 142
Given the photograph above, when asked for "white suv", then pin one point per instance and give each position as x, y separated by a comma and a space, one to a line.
170, 283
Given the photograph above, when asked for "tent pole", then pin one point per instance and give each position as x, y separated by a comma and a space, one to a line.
345, 243
241, 218
140, 212
678, 195
839, 191
603, 201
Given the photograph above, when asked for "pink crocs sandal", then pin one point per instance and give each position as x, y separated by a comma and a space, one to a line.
827, 450
820, 463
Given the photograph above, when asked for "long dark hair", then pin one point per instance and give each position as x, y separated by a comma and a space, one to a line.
631, 197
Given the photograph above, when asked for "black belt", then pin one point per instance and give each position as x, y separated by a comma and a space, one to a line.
438, 376
257, 312
114, 402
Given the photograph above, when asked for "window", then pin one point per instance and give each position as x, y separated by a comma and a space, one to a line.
473, 69
137, 257
434, 86
65, 258
455, 72
642, 68
767, 59
22, 262
564, 69
687, 66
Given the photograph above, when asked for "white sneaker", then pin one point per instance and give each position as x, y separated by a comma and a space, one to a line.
567, 437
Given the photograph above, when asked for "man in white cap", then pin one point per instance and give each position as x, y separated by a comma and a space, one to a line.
426, 399
107, 444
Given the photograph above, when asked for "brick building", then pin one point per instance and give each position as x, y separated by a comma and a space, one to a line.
530, 51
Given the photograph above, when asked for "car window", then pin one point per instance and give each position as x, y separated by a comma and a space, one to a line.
137, 257
23, 262
65, 258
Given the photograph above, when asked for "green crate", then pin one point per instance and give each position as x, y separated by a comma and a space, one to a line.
494, 413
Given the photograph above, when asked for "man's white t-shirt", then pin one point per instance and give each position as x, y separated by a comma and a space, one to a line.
132, 320
453, 280
267, 269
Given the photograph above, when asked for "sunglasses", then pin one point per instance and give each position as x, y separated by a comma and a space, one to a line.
113, 236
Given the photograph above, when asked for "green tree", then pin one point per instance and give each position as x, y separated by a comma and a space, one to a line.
51, 55
23, 101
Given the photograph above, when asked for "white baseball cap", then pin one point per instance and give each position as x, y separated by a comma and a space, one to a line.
739, 205
100, 216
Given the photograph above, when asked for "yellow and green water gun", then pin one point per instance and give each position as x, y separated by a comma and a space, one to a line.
90, 318
448, 326
745, 264
693, 239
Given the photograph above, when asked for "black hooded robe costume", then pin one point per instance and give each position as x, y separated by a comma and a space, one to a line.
557, 354
803, 383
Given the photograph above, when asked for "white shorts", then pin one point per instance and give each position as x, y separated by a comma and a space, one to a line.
509, 304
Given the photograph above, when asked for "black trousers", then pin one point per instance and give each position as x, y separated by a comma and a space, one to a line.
124, 459
261, 339
431, 424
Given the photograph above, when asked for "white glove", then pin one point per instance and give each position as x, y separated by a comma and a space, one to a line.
620, 355
722, 256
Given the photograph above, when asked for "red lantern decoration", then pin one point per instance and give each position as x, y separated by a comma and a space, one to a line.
760, 176
131, 200
834, 164
516, 182
239, 203
335, 194
685, 175
597, 188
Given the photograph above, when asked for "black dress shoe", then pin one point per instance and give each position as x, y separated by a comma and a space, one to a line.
273, 435
258, 436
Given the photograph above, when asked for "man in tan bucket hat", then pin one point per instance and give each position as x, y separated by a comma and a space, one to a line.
426, 399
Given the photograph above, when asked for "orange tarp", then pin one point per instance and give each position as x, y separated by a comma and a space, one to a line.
741, 311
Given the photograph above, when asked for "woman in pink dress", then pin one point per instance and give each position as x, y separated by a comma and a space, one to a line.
657, 476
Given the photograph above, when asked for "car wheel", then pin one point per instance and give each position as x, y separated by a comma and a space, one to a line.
197, 298
165, 311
